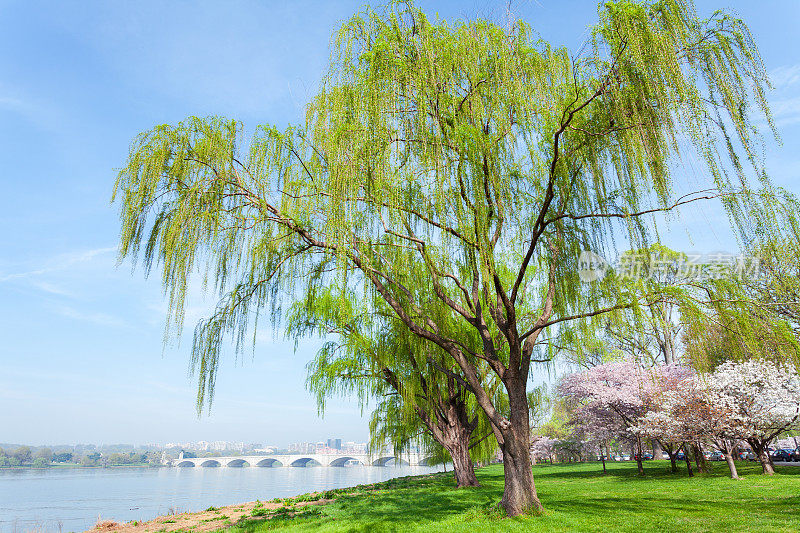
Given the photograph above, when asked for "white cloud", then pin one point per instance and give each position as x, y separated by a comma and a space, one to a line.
786, 111
8, 102
101, 319
59, 263
785, 76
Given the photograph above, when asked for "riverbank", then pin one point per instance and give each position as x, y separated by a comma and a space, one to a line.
577, 497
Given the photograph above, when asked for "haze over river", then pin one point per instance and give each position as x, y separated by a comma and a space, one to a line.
72, 499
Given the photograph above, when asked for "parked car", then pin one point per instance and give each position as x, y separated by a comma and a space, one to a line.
664, 455
747, 456
716, 456
783, 455
646, 456
681, 456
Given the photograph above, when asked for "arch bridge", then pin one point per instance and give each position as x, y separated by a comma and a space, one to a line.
301, 460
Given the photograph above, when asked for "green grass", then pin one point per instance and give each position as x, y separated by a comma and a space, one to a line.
576, 497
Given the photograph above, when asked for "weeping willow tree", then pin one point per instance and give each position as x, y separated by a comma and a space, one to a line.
475, 153
755, 314
421, 397
751, 318
650, 333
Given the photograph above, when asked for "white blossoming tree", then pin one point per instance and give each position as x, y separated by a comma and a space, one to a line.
687, 412
753, 400
763, 399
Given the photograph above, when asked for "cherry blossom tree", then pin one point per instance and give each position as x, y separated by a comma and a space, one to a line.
612, 398
686, 412
599, 425
543, 448
763, 399
754, 401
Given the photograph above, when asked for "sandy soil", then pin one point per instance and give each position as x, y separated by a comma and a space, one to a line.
219, 518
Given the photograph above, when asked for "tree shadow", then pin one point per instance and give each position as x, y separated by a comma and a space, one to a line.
413, 503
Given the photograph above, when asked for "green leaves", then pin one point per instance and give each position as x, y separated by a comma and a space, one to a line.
447, 175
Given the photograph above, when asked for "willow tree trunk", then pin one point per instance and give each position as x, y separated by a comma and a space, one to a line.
463, 469
452, 427
519, 496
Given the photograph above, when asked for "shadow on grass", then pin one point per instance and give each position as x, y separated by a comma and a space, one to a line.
660, 470
581, 491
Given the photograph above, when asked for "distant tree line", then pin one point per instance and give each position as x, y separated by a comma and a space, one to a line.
24, 456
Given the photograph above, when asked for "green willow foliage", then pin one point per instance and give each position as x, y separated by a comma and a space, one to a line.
458, 162
458, 135
408, 379
757, 317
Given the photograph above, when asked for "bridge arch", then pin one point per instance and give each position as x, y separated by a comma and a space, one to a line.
269, 462
237, 463
186, 464
340, 461
213, 463
305, 461
384, 461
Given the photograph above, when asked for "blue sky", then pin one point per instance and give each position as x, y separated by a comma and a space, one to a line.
81, 358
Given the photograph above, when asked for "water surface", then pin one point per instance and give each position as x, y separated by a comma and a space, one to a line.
72, 499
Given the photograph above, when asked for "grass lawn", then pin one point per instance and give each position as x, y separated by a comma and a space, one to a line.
577, 497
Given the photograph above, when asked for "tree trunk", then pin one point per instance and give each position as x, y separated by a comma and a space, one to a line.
700, 458
657, 450
766, 462
638, 455
519, 496
451, 427
463, 469
603, 458
672, 453
688, 460
760, 449
731, 465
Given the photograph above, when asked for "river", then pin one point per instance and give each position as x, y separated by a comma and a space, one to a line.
72, 499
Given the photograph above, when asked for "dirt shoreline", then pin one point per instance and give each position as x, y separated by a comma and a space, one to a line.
213, 518
216, 518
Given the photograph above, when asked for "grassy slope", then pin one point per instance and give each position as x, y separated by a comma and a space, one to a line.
576, 497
